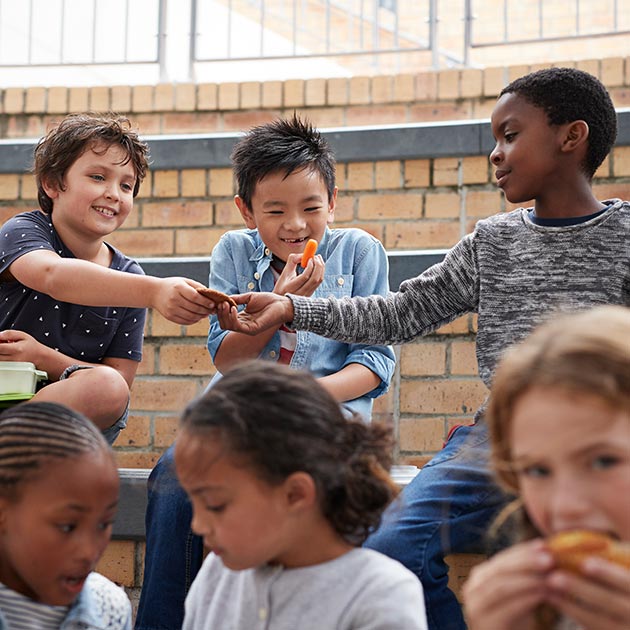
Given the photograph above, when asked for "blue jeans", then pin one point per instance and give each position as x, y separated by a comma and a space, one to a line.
173, 553
446, 509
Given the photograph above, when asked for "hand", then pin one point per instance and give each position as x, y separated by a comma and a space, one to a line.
178, 300
262, 311
597, 600
504, 592
16, 345
304, 283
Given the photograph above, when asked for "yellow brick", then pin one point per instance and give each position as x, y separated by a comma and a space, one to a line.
388, 174
118, 561
164, 97
621, 162
177, 213
475, 169
121, 98
57, 100
228, 96
35, 100
221, 182
612, 71
165, 430
427, 86
445, 171
604, 168
589, 65
137, 432
453, 396
417, 173
360, 176
147, 365
9, 186
143, 242
78, 99
13, 101
185, 359
315, 92
517, 71
448, 84
162, 327
207, 96
28, 187
136, 459
193, 182
142, 98
251, 95
359, 90
162, 395
459, 326
389, 207
463, 358
421, 234
337, 91
226, 213
185, 97
471, 83
166, 183
442, 205
99, 99
421, 434
494, 80
482, 203
382, 89
294, 93
200, 329
404, 88
423, 359
272, 94
196, 242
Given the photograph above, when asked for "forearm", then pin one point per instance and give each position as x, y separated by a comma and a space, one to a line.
237, 347
352, 381
53, 362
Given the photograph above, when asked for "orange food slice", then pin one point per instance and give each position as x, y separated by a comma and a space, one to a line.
309, 251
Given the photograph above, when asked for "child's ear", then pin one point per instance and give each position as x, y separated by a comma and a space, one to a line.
50, 188
332, 204
576, 135
300, 491
246, 213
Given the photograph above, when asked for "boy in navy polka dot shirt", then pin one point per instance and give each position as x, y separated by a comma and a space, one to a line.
69, 302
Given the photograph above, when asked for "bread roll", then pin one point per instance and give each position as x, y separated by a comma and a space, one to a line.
571, 548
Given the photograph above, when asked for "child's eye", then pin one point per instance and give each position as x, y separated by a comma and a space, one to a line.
509, 137
313, 209
215, 508
534, 471
127, 187
602, 462
66, 528
105, 525
98, 178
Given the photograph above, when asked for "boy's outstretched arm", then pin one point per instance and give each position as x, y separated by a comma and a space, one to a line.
83, 282
262, 311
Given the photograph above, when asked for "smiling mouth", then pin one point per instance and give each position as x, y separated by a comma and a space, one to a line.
106, 212
292, 241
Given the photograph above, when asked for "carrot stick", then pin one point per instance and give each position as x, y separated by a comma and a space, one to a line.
309, 251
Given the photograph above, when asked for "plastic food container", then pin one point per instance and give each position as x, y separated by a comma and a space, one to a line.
402, 475
19, 378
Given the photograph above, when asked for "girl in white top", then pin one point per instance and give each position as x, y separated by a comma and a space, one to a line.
284, 489
58, 496
560, 424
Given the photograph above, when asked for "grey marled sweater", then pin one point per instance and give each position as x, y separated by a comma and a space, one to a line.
510, 271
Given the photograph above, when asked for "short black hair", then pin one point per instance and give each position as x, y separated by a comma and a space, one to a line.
566, 95
284, 145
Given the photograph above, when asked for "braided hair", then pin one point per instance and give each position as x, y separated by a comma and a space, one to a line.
283, 421
33, 433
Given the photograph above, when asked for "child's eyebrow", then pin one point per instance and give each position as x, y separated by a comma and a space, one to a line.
77, 507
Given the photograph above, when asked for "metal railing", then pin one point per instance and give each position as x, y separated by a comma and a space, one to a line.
95, 33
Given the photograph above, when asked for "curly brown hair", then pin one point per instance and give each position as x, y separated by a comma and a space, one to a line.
57, 151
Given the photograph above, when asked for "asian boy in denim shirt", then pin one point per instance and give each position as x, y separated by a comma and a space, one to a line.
285, 172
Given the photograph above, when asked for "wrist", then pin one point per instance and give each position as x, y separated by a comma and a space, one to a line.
289, 310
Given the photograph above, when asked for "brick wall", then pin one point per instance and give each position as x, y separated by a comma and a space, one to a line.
408, 204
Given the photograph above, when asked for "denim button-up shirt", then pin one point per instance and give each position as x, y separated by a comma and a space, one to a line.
356, 264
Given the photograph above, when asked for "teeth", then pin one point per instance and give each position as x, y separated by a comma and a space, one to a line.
105, 211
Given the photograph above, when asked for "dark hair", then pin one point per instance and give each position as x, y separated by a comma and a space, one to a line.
57, 151
282, 421
567, 95
284, 145
33, 433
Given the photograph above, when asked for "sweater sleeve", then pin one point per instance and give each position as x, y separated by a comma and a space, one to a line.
422, 304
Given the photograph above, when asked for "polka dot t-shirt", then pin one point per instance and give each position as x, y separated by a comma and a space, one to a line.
85, 333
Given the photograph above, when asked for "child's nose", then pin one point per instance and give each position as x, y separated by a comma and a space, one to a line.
496, 156
90, 547
569, 505
295, 222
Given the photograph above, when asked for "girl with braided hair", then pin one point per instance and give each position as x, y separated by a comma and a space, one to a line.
58, 497
284, 489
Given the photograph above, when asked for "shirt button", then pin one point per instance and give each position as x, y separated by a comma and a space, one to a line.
267, 252
257, 276
340, 281
272, 354
250, 285
262, 614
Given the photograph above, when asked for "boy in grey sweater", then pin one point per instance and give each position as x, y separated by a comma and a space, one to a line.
570, 251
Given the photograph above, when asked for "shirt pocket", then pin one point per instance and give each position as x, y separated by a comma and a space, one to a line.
92, 335
336, 285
